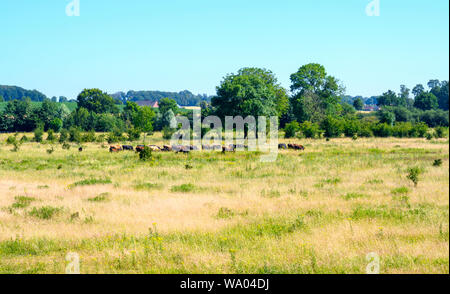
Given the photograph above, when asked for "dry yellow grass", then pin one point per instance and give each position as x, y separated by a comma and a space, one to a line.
318, 211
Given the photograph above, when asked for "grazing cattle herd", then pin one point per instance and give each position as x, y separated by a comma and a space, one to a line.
188, 149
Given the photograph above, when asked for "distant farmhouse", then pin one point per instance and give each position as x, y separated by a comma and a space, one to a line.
153, 104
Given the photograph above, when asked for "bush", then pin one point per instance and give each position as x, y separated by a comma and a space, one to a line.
382, 130
89, 137
413, 174
39, 134
56, 125
420, 129
63, 136
51, 135
291, 129
168, 133
146, 154
437, 163
441, 132
310, 130
115, 136
133, 134
75, 135
333, 127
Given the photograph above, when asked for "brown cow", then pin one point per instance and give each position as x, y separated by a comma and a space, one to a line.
296, 147
116, 148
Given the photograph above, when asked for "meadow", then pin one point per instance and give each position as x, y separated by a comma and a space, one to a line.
317, 211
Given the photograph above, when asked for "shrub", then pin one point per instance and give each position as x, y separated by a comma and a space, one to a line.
291, 129
437, 162
134, 134
146, 154
65, 146
75, 135
413, 174
441, 132
168, 133
56, 125
333, 127
310, 130
45, 212
89, 137
51, 135
24, 139
185, 188
38, 134
63, 136
382, 130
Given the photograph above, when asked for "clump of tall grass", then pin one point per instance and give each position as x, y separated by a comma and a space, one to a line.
91, 182
45, 212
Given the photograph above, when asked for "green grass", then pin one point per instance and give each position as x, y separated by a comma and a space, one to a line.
91, 182
45, 212
184, 188
100, 198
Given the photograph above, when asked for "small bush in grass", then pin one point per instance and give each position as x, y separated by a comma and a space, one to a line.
399, 191
65, 146
45, 212
291, 129
437, 163
39, 134
350, 196
51, 150
185, 188
440, 132
24, 139
429, 136
63, 136
414, 174
146, 154
100, 198
90, 182
168, 133
12, 140
89, 137
147, 186
51, 135
225, 213
22, 202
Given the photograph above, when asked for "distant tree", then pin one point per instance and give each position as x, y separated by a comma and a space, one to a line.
167, 104
1, 98
418, 89
433, 84
441, 92
94, 100
426, 101
54, 99
358, 104
315, 93
252, 91
143, 119
390, 98
63, 99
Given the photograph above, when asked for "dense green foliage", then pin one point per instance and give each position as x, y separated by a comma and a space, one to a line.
8, 93
316, 108
184, 98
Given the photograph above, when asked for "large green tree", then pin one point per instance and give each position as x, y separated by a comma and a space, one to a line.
94, 100
252, 91
426, 101
315, 93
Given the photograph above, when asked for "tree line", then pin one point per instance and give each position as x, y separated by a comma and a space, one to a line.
313, 107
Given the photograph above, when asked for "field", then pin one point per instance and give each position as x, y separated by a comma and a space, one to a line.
318, 211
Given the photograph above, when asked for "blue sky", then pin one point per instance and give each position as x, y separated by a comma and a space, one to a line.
175, 45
